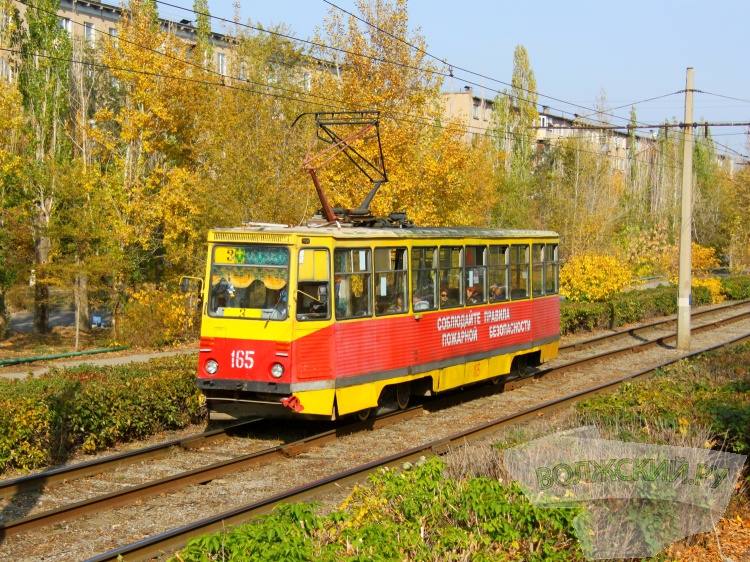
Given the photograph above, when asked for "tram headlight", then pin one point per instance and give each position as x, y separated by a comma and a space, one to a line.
277, 370
211, 367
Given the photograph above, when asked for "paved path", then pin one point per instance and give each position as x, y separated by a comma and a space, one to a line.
90, 360
24, 321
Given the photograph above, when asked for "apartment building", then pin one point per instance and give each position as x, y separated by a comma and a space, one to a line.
475, 113
91, 20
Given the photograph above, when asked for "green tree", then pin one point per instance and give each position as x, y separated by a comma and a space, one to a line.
43, 78
516, 116
204, 49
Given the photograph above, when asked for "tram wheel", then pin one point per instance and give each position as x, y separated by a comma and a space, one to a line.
362, 415
403, 393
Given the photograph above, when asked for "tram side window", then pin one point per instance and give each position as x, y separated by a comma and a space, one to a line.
519, 271
424, 269
451, 281
352, 282
498, 273
552, 268
313, 285
391, 281
475, 275
537, 270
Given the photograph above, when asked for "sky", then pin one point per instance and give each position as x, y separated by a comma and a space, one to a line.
631, 51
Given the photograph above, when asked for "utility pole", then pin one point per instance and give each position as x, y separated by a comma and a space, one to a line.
684, 299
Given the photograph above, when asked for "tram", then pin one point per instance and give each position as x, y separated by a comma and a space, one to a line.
338, 318
322, 322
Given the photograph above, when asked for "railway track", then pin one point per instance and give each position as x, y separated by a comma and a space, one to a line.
177, 538
216, 470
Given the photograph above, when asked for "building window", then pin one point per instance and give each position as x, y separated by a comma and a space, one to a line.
65, 24
5, 69
88, 32
543, 121
221, 63
475, 111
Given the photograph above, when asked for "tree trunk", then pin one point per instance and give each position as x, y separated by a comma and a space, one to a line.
41, 288
41, 308
82, 300
4, 316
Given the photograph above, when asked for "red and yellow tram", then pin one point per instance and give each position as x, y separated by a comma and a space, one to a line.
308, 322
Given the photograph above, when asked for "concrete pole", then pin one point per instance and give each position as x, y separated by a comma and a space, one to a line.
684, 297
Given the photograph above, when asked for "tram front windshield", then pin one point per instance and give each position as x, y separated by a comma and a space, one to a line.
249, 282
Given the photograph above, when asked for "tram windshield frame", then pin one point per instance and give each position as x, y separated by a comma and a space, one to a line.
249, 281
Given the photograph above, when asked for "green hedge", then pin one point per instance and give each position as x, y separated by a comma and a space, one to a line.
736, 288
627, 308
43, 419
637, 306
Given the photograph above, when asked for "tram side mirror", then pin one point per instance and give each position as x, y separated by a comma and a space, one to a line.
185, 284
323, 294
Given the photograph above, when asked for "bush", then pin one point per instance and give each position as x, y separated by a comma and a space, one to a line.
154, 317
594, 278
664, 300
736, 288
25, 433
701, 295
412, 514
710, 284
43, 419
580, 316
628, 309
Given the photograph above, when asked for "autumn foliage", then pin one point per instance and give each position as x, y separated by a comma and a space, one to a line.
147, 143
594, 278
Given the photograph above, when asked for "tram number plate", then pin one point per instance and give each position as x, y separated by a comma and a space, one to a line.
242, 359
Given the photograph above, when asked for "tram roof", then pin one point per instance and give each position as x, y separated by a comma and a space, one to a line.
347, 232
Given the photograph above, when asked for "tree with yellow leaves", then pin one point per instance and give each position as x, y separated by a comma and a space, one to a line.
250, 156
148, 138
375, 63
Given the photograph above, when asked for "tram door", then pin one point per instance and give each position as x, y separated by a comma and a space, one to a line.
313, 302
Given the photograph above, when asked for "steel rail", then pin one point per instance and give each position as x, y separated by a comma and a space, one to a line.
88, 468
177, 538
633, 332
200, 475
62, 474
258, 458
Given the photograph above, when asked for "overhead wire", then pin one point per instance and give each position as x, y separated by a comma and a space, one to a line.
190, 63
222, 84
386, 61
484, 77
